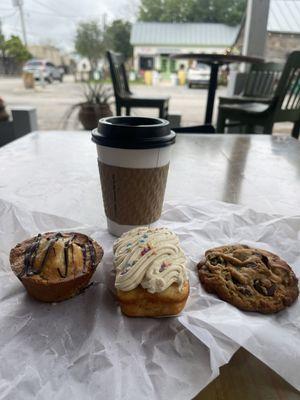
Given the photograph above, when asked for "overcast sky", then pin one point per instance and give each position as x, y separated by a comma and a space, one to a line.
54, 21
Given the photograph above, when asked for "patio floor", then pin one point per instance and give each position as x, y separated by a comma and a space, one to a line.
53, 101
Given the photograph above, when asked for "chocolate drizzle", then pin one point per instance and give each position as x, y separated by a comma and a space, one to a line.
30, 257
66, 257
88, 249
31, 253
92, 253
83, 248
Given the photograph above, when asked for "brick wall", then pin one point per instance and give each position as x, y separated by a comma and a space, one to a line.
280, 45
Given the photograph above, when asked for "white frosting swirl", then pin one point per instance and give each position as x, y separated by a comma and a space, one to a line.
150, 257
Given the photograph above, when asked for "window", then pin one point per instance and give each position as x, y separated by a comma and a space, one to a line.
34, 63
146, 63
172, 65
164, 64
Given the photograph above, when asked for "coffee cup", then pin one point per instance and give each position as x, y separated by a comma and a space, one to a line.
133, 158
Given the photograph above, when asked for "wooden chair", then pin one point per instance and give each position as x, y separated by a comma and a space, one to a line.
124, 97
24, 121
284, 106
195, 129
260, 85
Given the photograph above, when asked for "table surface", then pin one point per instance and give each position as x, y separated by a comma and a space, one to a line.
219, 58
261, 172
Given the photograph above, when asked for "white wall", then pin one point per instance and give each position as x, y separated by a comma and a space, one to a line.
157, 50
83, 65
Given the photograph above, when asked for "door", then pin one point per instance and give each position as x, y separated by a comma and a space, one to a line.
146, 63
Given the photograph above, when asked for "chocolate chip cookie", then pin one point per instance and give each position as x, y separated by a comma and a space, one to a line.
248, 278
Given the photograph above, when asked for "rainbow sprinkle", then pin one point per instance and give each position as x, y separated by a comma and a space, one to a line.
164, 265
145, 250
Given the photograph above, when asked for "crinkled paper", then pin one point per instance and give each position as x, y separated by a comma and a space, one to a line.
84, 348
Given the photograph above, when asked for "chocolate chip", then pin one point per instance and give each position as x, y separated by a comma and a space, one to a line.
265, 260
235, 281
215, 260
260, 288
245, 291
250, 265
271, 290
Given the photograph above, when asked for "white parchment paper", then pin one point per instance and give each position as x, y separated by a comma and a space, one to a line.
86, 349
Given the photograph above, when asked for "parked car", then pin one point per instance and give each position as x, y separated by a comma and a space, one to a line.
198, 75
45, 69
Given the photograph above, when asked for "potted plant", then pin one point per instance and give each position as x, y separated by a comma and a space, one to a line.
3, 113
98, 99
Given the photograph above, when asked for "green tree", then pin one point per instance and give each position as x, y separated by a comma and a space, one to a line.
117, 37
2, 45
16, 49
225, 11
89, 42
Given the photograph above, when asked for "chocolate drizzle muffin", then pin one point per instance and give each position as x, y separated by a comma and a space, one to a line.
248, 278
55, 266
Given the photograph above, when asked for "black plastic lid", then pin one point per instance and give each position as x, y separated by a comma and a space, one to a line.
133, 133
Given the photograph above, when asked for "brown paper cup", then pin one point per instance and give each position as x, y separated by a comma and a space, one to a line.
133, 183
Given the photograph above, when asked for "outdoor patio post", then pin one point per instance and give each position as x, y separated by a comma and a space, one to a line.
255, 35
256, 27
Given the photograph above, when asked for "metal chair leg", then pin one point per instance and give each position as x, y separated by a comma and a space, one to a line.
118, 109
268, 128
127, 110
249, 128
161, 112
296, 130
166, 112
221, 122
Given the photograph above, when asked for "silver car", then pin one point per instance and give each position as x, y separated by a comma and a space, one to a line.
198, 75
43, 69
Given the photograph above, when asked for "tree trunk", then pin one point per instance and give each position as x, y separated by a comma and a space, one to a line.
94, 63
4, 62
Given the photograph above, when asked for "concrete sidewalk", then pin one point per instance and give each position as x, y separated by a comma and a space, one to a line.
53, 101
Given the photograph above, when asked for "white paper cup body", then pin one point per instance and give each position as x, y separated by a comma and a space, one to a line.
135, 159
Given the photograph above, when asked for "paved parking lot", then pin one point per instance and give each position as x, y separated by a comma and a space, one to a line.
53, 101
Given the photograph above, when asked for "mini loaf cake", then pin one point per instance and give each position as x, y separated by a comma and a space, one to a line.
55, 266
151, 276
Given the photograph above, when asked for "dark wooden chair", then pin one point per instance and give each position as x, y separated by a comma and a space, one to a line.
124, 97
284, 106
24, 121
195, 129
260, 84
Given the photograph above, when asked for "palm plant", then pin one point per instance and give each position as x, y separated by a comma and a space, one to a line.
97, 100
97, 93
